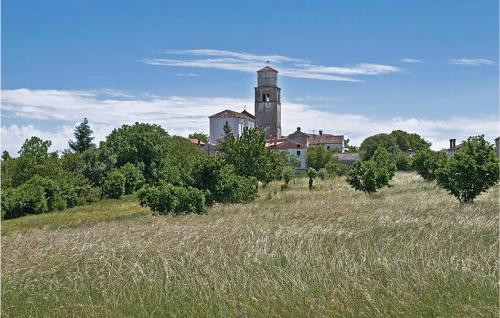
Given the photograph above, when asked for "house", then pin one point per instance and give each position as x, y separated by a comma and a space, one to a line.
453, 148
348, 158
236, 121
296, 150
330, 142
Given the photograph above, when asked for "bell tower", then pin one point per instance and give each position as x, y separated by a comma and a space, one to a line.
268, 102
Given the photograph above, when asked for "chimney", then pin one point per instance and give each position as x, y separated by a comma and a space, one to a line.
298, 128
452, 143
321, 132
198, 141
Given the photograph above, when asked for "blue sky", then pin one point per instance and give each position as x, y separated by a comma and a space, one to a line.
346, 67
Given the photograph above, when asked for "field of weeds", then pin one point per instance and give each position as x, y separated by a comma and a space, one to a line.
405, 251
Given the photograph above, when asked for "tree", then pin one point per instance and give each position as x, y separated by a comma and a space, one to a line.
371, 144
98, 163
167, 198
250, 157
5, 155
83, 136
35, 148
203, 137
322, 173
426, 162
133, 177
318, 157
363, 176
141, 144
114, 185
471, 171
287, 174
312, 174
334, 167
395, 142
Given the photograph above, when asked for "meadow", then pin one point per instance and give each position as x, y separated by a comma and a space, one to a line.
408, 250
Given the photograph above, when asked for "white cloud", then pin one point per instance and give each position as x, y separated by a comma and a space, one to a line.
287, 66
471, 62
412, 61
188, 74
107, 109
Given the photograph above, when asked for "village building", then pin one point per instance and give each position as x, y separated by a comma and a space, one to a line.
268, 119
236, 121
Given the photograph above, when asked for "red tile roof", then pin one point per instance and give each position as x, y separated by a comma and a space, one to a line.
197, 141
230, 113
314, 139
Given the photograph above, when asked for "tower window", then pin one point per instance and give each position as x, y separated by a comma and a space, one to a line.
266, 97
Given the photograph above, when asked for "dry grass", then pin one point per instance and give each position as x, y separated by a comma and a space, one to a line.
408, 250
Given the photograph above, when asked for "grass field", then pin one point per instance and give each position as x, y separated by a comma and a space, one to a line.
406, 251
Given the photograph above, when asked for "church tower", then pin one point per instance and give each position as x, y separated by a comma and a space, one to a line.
268, 102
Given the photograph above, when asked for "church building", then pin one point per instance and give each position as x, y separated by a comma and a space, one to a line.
267, 118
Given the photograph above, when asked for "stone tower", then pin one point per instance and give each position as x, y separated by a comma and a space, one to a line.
268, 102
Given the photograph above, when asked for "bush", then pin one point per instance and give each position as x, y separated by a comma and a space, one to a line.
426, 162
312, 174
404, 161
220, 183
471, 171
26, 199
133, 177
168, 198
335, 168
114, 185
364, 176
322, 173
287, 174
318, 157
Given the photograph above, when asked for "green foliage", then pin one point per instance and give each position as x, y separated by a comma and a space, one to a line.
250, 157
144, 144
35, 148
83, 136
404, 161
471, 171
219, 182
322, 173
181, 157
351, 149
289, 159
334, 167
363, 176
98, 163
24, 200
114, 185
373, 174
311, 174
133, 177
203, 137
395, 142
73, 162
287, 174
167, 198
426, 162
5, 155
318, 157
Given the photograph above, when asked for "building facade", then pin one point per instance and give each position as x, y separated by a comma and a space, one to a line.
236, 121
268, 102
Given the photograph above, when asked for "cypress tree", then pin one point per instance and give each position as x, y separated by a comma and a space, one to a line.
83, 136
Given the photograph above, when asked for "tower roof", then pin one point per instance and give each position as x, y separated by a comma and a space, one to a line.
267, 69
229, 113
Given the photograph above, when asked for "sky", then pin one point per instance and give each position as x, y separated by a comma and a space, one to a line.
356, 68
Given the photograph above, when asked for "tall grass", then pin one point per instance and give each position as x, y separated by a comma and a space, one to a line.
408, 250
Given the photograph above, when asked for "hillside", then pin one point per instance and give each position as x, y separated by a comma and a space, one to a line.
407, 250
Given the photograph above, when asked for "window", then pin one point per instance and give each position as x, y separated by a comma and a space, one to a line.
298, 152
328, 147
266, 97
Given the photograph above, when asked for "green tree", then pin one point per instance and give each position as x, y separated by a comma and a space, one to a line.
98, 163
312, 174
364, 176
334, 167
83, 137
395, 142
133, 177
426, 162
318, 157
35, 148
203, 137
322, 173
5, 155
471, 171
114, 185
287, 174
250, 157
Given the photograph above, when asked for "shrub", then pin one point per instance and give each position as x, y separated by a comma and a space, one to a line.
364, 176
114, 185
318, 157
426, 162
471, 171
334, 167
23, 200
383, 161
322, 173
312, 174
220, 183
55, 201
287, 174
168, 198
133, 177
404, 161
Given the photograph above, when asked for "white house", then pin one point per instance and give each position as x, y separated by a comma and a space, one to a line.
296, 150
330, 142
236, 121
